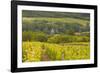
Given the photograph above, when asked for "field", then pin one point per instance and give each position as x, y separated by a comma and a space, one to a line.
37, 51
64, 20
53, 36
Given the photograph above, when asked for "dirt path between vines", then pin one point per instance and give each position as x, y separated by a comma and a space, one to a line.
45, 57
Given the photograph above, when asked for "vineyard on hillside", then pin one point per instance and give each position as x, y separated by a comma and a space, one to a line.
53, 36
37, 51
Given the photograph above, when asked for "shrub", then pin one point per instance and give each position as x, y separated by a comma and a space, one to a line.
60, 39
67, 38
39, 36
27, 35
34, 36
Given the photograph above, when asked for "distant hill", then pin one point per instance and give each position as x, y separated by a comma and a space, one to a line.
55, 22
30, 13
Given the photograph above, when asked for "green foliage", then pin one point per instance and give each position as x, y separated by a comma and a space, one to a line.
59, 25
33, 51
27, 35
55, 36
39, 36
54, 51
76, 52
70, 32
85, 33
29, 13
59, 39
67, 38
34, 36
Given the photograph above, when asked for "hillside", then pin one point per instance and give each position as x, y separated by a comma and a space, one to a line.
55, 22
27, 13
